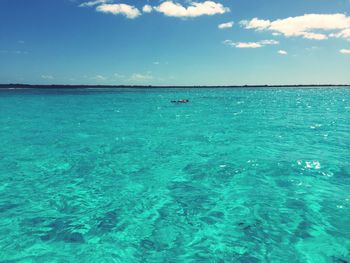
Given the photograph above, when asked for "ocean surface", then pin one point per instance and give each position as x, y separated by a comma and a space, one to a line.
235, 175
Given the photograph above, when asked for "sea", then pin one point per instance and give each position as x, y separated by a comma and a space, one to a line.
125, 175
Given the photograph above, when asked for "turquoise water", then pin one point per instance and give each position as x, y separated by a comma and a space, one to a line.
236, 175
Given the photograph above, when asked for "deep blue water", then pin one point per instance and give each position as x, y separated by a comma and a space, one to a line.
236, 175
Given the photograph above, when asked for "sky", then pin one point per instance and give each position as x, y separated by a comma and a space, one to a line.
179, 42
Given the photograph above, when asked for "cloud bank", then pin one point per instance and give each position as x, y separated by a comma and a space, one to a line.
167, 8
309, 26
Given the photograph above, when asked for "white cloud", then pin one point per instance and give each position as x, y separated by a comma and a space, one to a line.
258, 44
344, 51
307, 26
93, 3
116, 9
282, 52
226, 25
256, 23
342, 34
315, 36
195, 9
247, 45
147, 9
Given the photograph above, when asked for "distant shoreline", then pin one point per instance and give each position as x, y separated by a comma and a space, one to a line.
57, 86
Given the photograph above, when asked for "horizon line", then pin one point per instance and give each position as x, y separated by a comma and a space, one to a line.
45, 86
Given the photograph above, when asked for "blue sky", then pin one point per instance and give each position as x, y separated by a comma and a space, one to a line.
223, 42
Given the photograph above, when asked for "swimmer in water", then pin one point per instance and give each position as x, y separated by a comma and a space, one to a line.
180, 101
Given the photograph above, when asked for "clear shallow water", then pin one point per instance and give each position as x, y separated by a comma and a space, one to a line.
236, 175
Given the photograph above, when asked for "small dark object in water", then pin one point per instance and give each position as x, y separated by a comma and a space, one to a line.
180, 101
